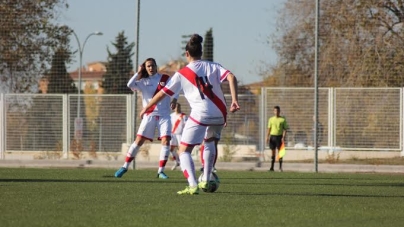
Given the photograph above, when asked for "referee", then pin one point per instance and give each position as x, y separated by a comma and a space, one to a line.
277, 127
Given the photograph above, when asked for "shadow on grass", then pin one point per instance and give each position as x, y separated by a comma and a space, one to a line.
311, 194
89, 181
271, 177
268, 181
321, 184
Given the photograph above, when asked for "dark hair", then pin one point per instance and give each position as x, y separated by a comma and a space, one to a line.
194, 46
143, 73
150, 59
277, 108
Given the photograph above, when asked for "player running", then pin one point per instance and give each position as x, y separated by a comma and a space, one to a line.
200, 81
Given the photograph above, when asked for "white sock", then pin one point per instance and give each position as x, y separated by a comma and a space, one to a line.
208, 157
130, 155
164, 153
188, 168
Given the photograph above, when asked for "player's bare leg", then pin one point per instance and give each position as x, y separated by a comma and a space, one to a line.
176, 159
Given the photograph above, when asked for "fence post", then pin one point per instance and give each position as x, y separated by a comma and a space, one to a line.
132, 119
262, 124
2, 126
402, 122
65, 126
331, 117
129, 119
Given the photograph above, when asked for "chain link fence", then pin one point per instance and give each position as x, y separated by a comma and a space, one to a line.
352, 119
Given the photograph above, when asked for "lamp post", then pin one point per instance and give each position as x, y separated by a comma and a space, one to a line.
78, 123
136, 66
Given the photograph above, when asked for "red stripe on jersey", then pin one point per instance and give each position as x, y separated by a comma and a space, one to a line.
160, 86
177, 122
168, 91
224, 75
192, 77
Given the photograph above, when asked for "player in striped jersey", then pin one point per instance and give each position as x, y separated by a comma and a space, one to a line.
148, 81
200, 81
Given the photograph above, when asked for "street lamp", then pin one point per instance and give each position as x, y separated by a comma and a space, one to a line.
78, 123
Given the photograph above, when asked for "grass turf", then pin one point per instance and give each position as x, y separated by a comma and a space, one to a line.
92, 197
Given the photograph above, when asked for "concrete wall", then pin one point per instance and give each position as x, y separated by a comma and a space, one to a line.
151, 153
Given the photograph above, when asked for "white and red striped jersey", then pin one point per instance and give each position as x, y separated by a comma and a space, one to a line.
149, 87
178, 121
200, 81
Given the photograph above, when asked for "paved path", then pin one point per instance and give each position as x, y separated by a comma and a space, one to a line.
248, 166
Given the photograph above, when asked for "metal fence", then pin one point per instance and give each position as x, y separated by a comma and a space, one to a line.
361, 119
366, 119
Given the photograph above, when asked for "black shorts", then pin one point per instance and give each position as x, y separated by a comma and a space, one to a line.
275, 142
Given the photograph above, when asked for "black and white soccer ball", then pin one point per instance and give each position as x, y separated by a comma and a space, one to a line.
214, 182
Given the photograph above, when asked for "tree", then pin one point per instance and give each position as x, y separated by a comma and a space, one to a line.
359, 44
184, 43
119, 66
208, 46
119, 70
59, 79
28, 34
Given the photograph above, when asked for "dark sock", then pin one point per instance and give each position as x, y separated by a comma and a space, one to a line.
272, 162
280, 163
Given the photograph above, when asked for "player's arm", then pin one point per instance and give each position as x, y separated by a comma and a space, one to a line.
133, 82
174, 100
173, 103
156, 99
234, 92
169, 90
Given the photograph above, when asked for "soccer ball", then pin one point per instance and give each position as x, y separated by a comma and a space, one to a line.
214, 182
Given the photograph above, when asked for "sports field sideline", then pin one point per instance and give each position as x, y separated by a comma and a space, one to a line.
294, 167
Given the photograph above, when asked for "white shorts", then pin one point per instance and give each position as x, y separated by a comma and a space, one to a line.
175, 140
194, 133
149, 125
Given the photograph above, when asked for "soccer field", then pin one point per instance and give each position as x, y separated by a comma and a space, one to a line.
92, 197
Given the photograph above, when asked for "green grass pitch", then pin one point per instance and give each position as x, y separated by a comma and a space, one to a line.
93, 197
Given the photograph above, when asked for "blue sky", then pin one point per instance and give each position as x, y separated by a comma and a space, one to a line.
240, 29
